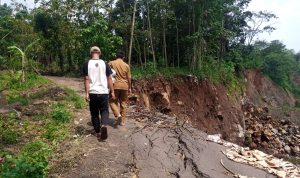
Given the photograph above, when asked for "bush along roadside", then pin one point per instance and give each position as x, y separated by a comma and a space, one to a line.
31, 131
218, 73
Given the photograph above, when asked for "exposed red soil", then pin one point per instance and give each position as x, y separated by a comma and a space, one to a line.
296, 78
263, 92
210, 107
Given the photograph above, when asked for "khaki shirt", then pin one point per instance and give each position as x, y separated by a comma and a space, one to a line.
123, 70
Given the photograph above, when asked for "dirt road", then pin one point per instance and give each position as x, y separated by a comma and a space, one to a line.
150, 145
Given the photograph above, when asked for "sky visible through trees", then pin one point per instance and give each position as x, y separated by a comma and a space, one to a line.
286, 10
216, 39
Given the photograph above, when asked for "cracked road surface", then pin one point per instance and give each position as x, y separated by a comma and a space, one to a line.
147, 148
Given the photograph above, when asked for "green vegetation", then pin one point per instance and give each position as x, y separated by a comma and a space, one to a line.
17, 90
218, 73
78, 101
166, 33
210, 39
61, 114
10, 134
56, 132
32, 161
275, 61
36, 137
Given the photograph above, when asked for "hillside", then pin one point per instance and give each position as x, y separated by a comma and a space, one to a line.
209, 98
169, 121
151, 145
256, 117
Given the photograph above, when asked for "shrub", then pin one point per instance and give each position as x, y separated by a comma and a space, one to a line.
9, 133
31, 162
216, 71
61, 114
56, 132
10, 136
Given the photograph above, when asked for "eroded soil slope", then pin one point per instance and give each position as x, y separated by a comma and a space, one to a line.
256, 118
209, 107
261, 91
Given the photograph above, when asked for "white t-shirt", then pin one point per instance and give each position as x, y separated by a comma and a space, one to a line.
97, 71
113, 75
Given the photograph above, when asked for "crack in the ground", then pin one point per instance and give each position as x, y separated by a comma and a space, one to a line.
172, 166
176, 174
134, 168
189, 161
195, 168
150, 144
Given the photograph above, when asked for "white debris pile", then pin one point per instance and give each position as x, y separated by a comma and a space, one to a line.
259, 159
263, 161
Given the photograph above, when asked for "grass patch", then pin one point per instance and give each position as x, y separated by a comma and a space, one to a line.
56, 132
18, 99
10, 136
31, 162
39, 94
10, 81
61, 114
215, 71
42, 129
3, 152
10, 133
77, 100
148, 72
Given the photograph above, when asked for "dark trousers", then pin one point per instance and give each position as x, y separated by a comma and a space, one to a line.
99, 104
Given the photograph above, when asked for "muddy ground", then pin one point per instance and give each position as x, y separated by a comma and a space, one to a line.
150, 145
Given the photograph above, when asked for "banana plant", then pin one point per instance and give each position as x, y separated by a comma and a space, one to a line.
23, 57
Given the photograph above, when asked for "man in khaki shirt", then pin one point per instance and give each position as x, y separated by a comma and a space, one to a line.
122, 87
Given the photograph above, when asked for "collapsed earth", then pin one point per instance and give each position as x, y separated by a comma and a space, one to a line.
146, 89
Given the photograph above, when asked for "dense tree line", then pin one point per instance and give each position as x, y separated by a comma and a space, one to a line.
196, 34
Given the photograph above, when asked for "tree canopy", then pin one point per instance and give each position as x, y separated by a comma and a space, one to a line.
193, 34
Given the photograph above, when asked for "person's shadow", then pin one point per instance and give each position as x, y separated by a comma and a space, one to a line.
108, 122
89, 129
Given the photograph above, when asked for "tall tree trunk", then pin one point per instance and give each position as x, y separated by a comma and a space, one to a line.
145, 55
177, 44
200, 50
138, 50
194, 58
150, 34
61, 60
165, 44
70, 60
222, 47
132, 32
144, 44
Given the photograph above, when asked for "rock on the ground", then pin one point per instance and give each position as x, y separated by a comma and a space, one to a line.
274, 136
287, 149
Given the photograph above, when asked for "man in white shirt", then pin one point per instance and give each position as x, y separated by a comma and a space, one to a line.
98, 82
